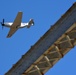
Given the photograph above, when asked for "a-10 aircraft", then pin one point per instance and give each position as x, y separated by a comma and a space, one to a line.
16, 24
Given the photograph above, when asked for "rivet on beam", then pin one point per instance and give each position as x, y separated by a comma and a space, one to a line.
58, 50
24, 74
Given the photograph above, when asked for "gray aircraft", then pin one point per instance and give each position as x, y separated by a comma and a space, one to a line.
14, 26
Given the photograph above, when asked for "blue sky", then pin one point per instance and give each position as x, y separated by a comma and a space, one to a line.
45, 13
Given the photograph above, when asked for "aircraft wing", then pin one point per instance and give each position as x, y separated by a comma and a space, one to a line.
15, 25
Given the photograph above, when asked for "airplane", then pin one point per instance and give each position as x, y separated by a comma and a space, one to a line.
16, 24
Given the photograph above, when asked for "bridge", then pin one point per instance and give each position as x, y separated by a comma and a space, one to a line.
50, 48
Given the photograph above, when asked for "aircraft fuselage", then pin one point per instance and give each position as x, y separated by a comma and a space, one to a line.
22, 25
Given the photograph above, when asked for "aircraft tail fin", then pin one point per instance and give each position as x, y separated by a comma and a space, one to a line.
31, 22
